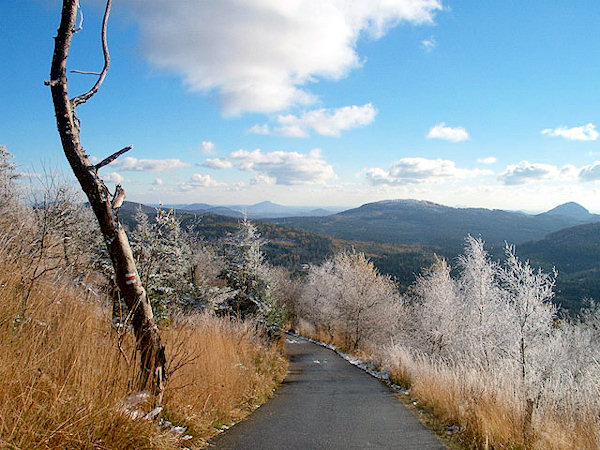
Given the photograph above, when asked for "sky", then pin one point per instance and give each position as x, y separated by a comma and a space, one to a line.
320, 102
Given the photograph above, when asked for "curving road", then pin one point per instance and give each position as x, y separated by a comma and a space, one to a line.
327, 403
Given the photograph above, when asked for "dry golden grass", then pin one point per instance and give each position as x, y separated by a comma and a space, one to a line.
227, 370
64, 379
488, 412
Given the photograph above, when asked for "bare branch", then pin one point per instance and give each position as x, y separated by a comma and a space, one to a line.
80, 26
112, 157
85, 72
89, 94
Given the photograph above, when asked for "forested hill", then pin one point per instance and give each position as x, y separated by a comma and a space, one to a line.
575, 252
294, 247
413, 221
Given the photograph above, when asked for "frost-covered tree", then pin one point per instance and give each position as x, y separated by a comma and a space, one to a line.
528, 294
347, 296
484, 314
315, 302
65, 228
436, 309
246, 272
8, 188
168, 259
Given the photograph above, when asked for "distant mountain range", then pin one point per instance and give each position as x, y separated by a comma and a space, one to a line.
262, 210
401, 236
423, 222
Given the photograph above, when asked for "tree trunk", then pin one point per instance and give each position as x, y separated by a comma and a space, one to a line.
151, 350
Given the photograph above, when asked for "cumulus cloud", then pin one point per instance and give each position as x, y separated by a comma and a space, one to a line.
287, 168
208, 147
429, 44
583, 133
113, 177
488, 160
327, 122
148, 165
216, 163
260, 129
419, 170
258, 55
452, 134
262, 180
525, 172
591, 172
199, 180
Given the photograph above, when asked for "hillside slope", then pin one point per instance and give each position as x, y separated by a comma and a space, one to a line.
575, 252
413, 221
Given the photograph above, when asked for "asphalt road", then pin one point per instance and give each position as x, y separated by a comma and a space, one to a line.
327, 403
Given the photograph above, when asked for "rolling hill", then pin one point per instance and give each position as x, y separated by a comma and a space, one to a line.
575, 252
422, 222
401, 238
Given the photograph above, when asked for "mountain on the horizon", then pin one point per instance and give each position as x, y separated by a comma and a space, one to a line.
401, 237
574, 210
262, 210
424, 222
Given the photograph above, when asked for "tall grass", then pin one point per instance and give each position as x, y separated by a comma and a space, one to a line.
487, 407
64, 378
223, 370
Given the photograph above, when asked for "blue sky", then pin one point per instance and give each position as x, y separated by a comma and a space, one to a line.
311, 102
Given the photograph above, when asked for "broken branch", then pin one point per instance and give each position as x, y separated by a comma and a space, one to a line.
112, 157
85, 72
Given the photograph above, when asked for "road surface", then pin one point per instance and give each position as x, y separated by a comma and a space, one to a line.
327, 403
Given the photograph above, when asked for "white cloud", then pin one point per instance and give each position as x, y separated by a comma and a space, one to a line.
158, 182
216, 163
260, 129
488, 160
429, 44
199, 180
208, 147
591, 172
420, 170
525, 172
148, 165
327, 122
113, 177
452, 134
287, 168
583, 133
257, 55
262, 180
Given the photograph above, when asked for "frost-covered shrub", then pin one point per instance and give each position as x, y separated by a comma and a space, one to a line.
347, 296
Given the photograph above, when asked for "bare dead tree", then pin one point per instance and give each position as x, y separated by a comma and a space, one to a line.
150, 347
